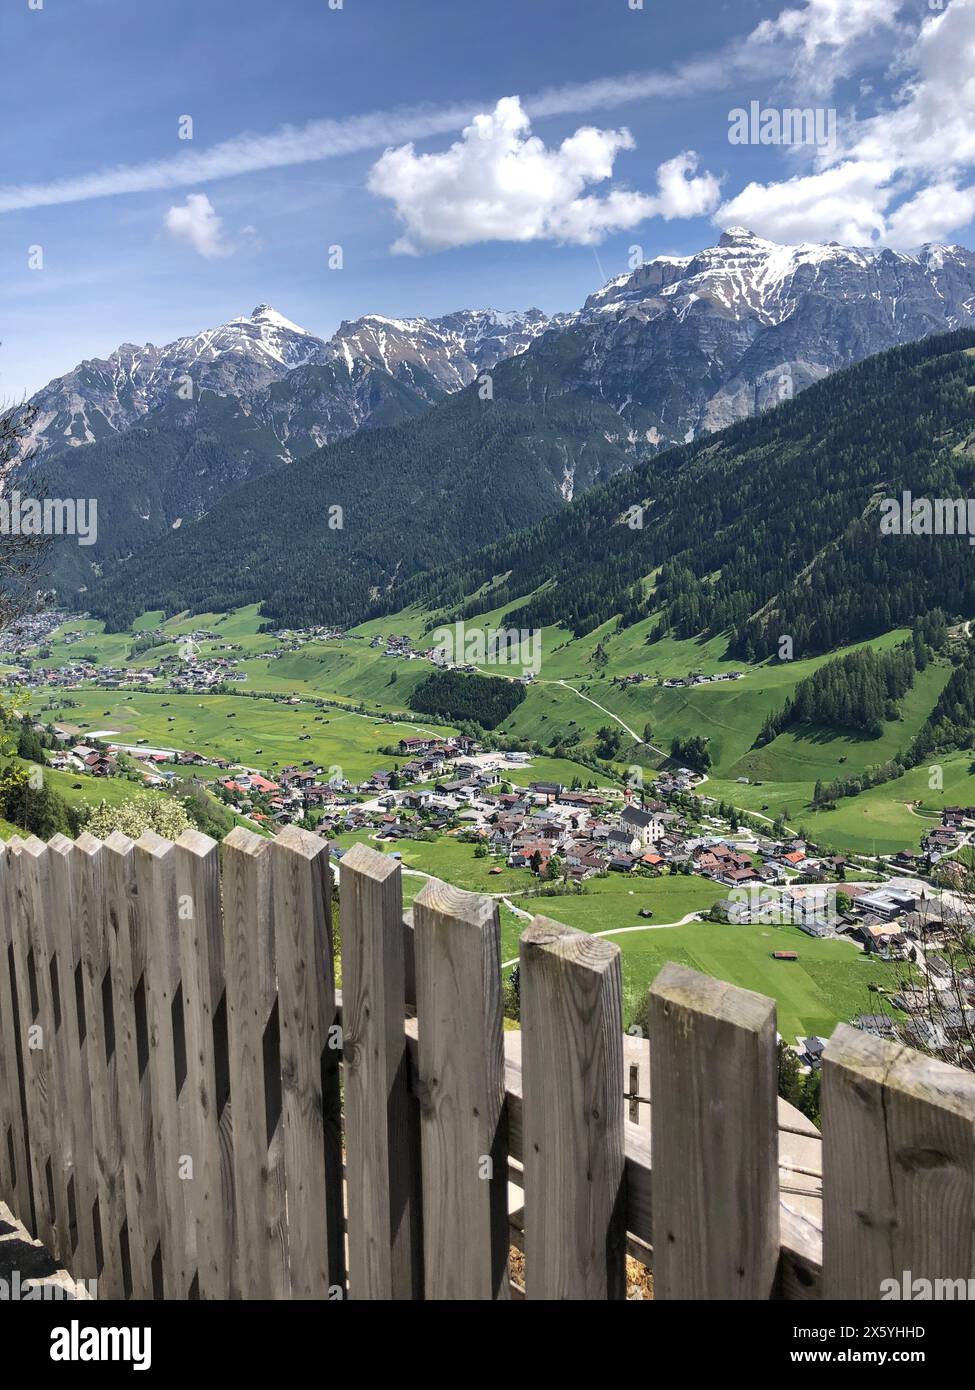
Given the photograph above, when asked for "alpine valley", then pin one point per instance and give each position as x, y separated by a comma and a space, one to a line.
671, 498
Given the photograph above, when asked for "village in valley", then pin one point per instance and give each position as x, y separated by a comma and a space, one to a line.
532, 834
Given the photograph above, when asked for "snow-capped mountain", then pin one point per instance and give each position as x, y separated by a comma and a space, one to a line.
687, 344
438, 355
679, 346
250, 355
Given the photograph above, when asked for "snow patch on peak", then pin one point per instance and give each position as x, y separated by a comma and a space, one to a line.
732, 235
266, 314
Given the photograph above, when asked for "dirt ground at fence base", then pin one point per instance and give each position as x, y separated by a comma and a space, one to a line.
639, 1280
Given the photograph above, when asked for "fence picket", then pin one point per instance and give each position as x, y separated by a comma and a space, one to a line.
15, 1155
210, 1190
125, 931
464, 1148
31, 902
255, 1073
80, 1156
714, 1138
311, 1120
155, 863
898, 1168
572, 1068
381, 1115
100, 1021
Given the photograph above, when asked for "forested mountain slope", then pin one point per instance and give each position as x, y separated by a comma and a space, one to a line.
769, 529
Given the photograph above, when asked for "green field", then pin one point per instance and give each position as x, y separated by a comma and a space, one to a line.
450, 859
828, 984
236, 728
351, 671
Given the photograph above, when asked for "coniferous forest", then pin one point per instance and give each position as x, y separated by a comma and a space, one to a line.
460, 698
767, 529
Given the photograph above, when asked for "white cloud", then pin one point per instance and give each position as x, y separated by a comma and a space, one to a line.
196, 222
831, 24
682, 192
931, 127
498, 182
900, 177
738, 61
932, 215
827, 39
845, 204
923, 140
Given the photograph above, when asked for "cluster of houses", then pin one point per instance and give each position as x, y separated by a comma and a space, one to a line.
697, 679
33, 631
97, 762
296, 792
938, 842
293, 639
579, 827
300, 790
939, 999
197, 675
396, 645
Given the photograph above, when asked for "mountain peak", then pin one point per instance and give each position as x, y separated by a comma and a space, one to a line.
731, 236
266, 314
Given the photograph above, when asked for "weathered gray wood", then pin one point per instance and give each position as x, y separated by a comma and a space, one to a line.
210, 1190
381, 1116
9, 1076
800, 1266
310, 1101
126, 932
899, 1169
79, 1152
15, 1158
572, 1041
714, 1138
100, 1017
252, 1027
464, 1148
33, 897
155, 862
59, 1099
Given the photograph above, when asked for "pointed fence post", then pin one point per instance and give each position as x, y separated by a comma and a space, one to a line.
155, 862
253, 1037
126, 930
75, 1080
210, 1191
15, 1159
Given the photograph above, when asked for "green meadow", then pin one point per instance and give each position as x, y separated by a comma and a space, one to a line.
258, 733
781, 776
828, 984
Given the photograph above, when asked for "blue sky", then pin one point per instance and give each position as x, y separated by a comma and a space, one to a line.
144, 236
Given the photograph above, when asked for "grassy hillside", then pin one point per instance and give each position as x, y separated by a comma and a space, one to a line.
729, 714
258, 733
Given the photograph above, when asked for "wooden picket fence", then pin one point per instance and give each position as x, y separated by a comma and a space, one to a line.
189, 1107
